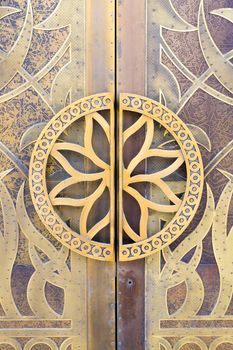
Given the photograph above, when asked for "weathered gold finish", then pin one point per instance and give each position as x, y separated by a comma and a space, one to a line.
54, 52
44, 202
189, 68
99, 76
189, 153
83, 242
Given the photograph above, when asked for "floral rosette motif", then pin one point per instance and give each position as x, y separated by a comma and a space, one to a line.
46, 201
187, 153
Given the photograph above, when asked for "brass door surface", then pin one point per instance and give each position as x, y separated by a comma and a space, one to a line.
116, 174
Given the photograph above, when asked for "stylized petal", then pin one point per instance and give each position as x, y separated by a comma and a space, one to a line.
89, 202
146, 145
134, 128
129, 231
99, 226
87, 152
102, 122
149, 204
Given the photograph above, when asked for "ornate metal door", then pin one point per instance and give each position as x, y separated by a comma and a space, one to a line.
116, 174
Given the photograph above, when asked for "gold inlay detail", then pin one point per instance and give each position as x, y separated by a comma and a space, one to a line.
149, 112
48, 144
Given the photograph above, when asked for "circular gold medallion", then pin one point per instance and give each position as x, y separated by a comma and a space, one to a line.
46, 200
156, 192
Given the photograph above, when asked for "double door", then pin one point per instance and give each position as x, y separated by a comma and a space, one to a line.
116, 174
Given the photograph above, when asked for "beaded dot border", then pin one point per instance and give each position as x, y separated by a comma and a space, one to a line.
195, 176
101, 251
37, 177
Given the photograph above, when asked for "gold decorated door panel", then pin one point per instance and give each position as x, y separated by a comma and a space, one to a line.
116, 174
174, 69
57, 175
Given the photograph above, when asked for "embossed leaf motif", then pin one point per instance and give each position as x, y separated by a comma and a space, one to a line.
220, 65
13, 61
157, 178
57, 196
8, 248
176, 270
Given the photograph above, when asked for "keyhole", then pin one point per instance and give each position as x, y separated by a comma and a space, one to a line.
130, 283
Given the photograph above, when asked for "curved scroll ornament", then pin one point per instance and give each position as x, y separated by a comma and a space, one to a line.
52, 144
180, 147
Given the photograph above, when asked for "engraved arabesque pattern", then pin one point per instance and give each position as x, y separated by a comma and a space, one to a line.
43, 291
189, 51
189, 300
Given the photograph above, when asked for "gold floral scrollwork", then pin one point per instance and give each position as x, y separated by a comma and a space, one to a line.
51, 144
181, 148
180, 198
